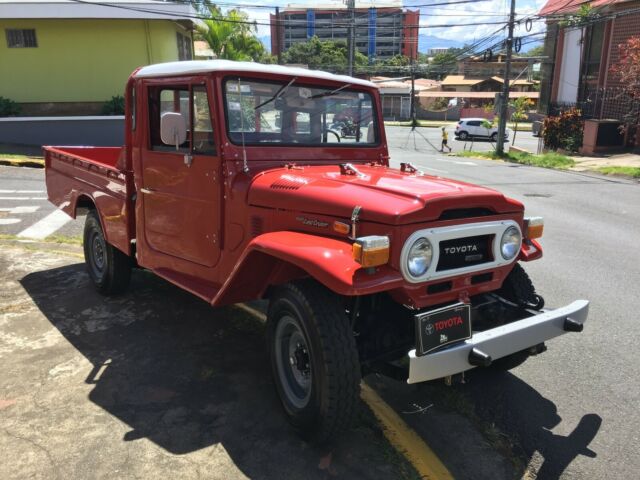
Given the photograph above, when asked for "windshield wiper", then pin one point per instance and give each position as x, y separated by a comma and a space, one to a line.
279, 93
332, 92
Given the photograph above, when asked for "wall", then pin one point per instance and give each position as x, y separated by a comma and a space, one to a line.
98, 131
79, 60
569, 77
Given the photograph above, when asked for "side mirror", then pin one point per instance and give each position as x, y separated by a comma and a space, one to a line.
173, 129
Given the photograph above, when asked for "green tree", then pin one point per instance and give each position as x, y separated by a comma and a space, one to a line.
535, 51
231, 36
520, 107
443, 64
316, 54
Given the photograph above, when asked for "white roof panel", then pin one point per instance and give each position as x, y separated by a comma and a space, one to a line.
204, 66
125, 9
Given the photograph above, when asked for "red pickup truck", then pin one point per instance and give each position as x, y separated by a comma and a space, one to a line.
235, 185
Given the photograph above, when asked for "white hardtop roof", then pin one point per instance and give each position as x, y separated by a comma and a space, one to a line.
205, 66
125, 9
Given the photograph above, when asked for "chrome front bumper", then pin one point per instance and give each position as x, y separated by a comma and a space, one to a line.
498, 342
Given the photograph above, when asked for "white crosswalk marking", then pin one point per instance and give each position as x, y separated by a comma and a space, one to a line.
21, 191
21, 209
46, 226
23, 198
9, 221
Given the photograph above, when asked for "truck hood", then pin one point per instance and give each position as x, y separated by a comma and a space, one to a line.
386, 195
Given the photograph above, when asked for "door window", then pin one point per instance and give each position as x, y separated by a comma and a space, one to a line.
193, 105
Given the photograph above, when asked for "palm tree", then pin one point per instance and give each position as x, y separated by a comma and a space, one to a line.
231, 36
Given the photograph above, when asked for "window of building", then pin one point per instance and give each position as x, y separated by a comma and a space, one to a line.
184, 47
21, 38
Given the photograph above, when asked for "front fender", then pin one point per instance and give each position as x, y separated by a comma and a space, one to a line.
277, 257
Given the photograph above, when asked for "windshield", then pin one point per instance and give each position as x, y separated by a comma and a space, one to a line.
266, 112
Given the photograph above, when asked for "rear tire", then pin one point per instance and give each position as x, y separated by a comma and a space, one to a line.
463, 135
108, 267
314, 359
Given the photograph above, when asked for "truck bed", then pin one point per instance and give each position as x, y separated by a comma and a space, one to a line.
91, 177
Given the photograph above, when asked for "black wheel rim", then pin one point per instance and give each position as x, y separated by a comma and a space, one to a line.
97, 255
293, 362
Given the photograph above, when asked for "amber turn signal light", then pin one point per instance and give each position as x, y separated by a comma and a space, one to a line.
340, 227
371, 251
533, 227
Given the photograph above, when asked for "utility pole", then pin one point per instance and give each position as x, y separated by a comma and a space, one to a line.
504, 104
414, 121
351, 43
278, 36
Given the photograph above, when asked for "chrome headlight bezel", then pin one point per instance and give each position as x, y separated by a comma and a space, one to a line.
412, 255
512, 238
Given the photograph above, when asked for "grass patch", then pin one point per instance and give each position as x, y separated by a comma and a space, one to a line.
546, 160
15, 156
626, 171
60, 239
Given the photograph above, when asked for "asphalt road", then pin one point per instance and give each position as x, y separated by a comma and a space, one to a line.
572, 411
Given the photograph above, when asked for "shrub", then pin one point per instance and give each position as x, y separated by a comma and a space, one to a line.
8, 108
564, 131
115, 106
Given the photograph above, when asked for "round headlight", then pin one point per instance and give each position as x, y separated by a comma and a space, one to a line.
419, 257
510, 243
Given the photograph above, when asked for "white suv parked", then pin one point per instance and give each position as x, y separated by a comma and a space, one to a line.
472, 127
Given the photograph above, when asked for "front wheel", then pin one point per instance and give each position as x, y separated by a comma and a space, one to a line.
314, 359
494, 137
108, 267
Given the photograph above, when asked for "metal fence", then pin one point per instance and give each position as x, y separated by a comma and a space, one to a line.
601, 103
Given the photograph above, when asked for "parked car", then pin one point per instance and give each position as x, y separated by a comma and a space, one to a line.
367, 268
472, 128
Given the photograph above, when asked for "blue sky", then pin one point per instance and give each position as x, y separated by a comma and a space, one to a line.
486, 11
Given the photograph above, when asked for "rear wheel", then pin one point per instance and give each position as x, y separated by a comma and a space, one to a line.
463, 135
314, 359
108, 267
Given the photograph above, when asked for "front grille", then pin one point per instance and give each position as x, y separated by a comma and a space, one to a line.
465, 252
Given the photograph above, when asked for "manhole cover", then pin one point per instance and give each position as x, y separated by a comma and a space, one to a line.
537, 195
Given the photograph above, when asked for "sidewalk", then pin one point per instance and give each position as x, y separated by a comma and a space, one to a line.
620, 163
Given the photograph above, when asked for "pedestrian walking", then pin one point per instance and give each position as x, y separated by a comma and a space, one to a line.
445, 139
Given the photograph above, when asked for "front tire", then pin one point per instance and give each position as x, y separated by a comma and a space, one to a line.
108, 267
518, 288
314, 359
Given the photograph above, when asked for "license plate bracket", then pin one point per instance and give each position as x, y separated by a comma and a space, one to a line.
443, 326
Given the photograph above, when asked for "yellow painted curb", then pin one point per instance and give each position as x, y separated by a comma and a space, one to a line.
404, 439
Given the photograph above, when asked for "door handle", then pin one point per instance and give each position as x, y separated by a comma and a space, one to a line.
147, 190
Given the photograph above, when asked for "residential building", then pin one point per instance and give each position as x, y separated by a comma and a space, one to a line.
481, 66
381, 31
577, 73
66, 57
464, 83
436, 51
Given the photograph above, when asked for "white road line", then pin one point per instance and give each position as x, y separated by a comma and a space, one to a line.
23, 198
21, 209
431, 169
466, 163
46, 226
9, 221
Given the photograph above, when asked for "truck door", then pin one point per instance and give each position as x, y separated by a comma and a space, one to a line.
180, 186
